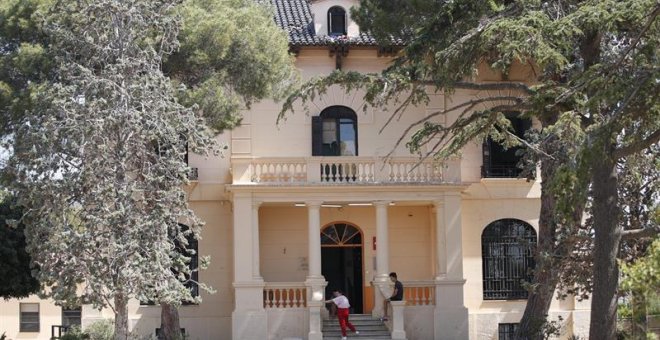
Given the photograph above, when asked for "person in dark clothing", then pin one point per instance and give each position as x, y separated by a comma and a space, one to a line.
397, 294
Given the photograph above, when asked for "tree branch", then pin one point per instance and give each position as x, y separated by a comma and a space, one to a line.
637, 146
516, 103
640, 233
465, 85
638, 38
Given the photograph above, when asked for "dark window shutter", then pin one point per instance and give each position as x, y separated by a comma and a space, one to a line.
485, 152
317, 136
526, 125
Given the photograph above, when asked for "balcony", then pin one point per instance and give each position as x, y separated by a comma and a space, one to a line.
340, 170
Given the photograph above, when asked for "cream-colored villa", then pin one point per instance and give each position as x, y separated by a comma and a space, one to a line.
312, 204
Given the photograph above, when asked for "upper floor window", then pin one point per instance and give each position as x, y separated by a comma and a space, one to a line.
501, 162
334, 132
507, 250
336, 21
71, 316
29, 317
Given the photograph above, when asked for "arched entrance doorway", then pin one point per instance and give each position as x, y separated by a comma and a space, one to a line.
341, 262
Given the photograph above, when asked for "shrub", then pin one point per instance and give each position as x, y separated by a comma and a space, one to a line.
101, 330
75, 333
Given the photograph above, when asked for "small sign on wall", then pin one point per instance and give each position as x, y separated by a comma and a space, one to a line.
302, 264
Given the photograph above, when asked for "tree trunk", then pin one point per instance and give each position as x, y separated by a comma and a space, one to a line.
537, 307
170, 329
545, 276
121, 317
608, 233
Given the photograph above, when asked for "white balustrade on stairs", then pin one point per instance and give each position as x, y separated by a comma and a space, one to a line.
285, 295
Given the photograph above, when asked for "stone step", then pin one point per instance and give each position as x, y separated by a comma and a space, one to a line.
336, 327
353, 336
355, 322
363, 334
362, 316
368, 326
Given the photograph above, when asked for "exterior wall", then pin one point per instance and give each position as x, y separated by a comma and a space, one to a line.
257, 136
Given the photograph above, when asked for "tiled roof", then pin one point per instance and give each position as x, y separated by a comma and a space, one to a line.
295, 17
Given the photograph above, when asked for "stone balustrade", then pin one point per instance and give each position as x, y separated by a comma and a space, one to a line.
338, 170
419, 293
285, 295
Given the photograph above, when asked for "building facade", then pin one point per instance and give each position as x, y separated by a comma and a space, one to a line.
325, 200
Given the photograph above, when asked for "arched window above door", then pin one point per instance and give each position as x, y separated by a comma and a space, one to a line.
507, 250
341, 234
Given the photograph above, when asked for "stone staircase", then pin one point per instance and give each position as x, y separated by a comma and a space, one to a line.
368, 326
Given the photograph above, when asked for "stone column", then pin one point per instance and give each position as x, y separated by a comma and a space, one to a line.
315, 281
381, 282
249, 319
256, 272
314, 239
450, 314
440, 242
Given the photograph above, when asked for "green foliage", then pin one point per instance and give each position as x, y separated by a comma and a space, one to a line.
100, 330
643, 275
624, 311
75, 333
16, 280
25, 59
231, 55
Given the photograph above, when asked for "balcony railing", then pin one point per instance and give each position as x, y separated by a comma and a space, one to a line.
336, 170
500, 171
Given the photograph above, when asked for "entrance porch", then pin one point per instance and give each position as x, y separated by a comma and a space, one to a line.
292, 245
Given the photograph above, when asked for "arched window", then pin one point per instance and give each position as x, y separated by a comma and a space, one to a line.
341, 234
334, 132
507, 250
336, 21
501, 162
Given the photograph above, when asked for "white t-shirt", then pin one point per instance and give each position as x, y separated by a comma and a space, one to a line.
341, 302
